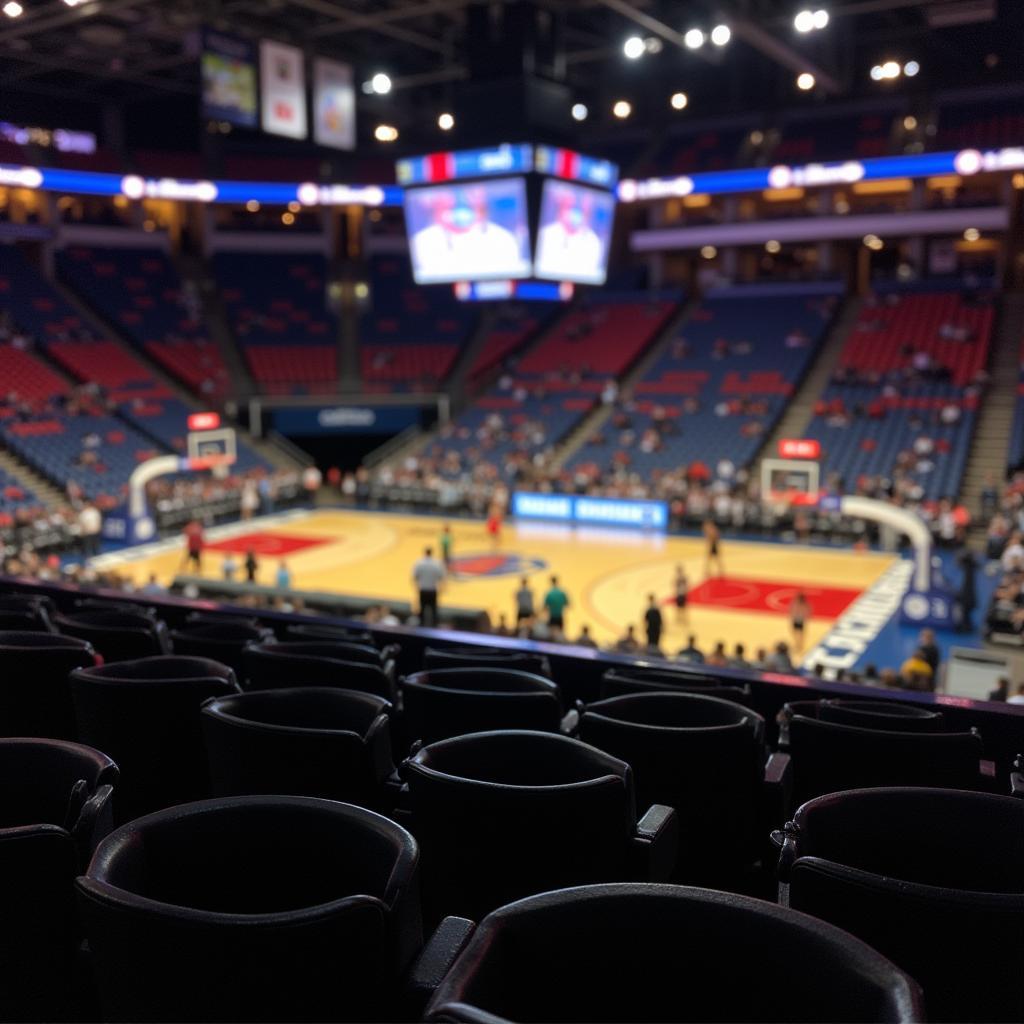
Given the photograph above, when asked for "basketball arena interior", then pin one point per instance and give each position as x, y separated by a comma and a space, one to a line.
512, 511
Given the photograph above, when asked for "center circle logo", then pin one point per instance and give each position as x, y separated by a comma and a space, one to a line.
493, 563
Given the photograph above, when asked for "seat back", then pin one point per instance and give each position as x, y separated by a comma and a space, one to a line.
501, 815
930, 878
703, 756
451, 702
258, 908
828, 757
274, 666
117, 635
871, 714
617, 683
306, 741
220, 641
35, 699
54, 808
612, 953
145, 713
468, 656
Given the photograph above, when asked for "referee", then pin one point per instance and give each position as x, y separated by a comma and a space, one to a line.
428, 575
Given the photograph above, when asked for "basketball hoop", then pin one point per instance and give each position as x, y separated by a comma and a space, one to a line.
790, 482
214, 450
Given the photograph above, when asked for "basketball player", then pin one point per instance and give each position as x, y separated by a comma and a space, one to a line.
713, 538
682, 593
194, 542
799, 613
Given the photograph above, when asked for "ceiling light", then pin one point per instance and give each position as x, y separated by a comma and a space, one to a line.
805, 81
385, 133
294, 206
74, 3
446, 122
804, 21
13, 9
972, 235
679, 100
820, 18
721, 34
772, 246
911, 68
380, 84
1018, 180
633, 47
287, 217
694, 39
909, 123
709, 252
622, 109
890, 69
876, 73
756, 137
253, 205
873, 242
653, 44
579, 111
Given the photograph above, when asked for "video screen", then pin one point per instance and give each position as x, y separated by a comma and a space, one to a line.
575, 232
473, 232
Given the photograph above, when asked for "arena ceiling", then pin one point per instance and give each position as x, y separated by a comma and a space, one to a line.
129, 52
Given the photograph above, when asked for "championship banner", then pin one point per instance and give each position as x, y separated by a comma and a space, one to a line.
334, 104
229, 79
283, 90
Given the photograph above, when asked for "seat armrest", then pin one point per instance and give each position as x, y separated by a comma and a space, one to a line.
777, 792
1017, 777
570, 722
432, 963
655, 844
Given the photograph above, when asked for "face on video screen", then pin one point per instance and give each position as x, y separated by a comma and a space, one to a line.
471, 232
575, 229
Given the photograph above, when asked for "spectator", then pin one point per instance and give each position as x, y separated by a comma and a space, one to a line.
916, 673
1002, 690
718, 658
283, 579
90, 526
152, 586
524, 603
585, 639
738, 659
1018, 697
251, 566
229, 567
929, 650
388, 617
627, 644
779, 660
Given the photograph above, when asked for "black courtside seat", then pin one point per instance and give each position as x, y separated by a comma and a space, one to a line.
306, 741
931, 878
145, 714
253, 909
54, 808
471, 656
220, 641
870, 714
117, 635
617, 682
35, 699
271, 666
501, 815
634, 952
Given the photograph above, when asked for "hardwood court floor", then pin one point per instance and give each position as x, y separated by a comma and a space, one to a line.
607, 572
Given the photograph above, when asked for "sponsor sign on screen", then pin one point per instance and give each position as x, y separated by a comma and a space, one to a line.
334, 104
644, 515
283, 90
229, 79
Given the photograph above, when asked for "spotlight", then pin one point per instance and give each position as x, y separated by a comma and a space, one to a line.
380, 84
772, 246
622, 109
13, 9
911, 68
820, 18
446, 122
909, 123
890, 69
1018, 180
805, 81
294, 206
253, 205
804, 21
876, 73
756, 137
873, 242
694, 39
679, 100
74, 3
972, 235
362, 290
709, 252
385, 133
633, 47
579, 111
721, 34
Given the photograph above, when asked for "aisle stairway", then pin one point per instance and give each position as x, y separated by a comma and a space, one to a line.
29, 479
988, 452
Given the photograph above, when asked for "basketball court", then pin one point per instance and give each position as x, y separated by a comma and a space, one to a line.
608, 572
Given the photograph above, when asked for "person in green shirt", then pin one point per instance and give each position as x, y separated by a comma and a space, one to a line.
446, 545
556, 601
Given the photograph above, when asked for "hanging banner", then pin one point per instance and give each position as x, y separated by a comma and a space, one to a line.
229, 79
334, 104
283, 90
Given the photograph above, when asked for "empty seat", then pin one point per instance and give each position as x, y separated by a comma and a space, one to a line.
451, 702
316, 631
306, 741
117, 635
501, 815
54, 808
704, 757
666, 953
252, 908
221, 641
931, 878
470, 656
35, 699
620, 681
871, 714
25, 612
271, 666
829, 756
145, 714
